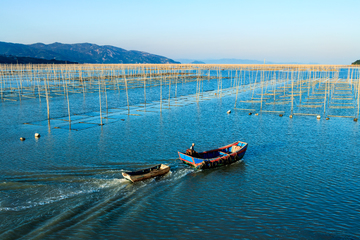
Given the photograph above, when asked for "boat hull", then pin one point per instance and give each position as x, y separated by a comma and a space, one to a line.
146, 173
217, 157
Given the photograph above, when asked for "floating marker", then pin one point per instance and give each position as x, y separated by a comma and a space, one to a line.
280, 115
291, 116
318, 116
37, 135
22, 139
228, 112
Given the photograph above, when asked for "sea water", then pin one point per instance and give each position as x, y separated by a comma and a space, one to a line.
299, 178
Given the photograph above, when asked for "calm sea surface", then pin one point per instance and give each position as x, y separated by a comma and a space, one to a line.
299, 179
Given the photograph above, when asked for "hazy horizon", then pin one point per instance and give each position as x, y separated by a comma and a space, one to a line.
322, 32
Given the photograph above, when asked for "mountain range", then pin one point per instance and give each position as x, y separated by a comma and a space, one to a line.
25, 60
80, 53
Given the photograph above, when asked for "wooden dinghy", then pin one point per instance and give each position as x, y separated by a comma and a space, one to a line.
214, 158
143, 174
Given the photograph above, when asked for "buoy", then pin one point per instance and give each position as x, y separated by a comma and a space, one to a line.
256, 114
291, 116
37, 135
22, 139
280, 115
355, 119
318, 116
250, 113
228, 112
327, 118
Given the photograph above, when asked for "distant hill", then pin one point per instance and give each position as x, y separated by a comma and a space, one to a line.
357, 62
81, 53
26, 60
234, 61
224, 61
197, 62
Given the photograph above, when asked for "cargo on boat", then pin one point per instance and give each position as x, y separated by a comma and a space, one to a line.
214, 158
143, 174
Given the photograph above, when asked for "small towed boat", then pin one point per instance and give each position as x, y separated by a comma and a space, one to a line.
151, 172
214, 158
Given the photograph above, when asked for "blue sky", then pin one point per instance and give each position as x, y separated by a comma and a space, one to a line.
305, 31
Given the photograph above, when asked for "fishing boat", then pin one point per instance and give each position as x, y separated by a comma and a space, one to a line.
143, 174
214, 158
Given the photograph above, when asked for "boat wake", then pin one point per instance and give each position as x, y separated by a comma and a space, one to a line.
178, 174
30, 192
35, 196
76, 201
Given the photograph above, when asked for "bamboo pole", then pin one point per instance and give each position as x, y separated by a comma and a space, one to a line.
105, 89
99, 83
358, 97
68, 103
1, 84
160, 91
47, 99
292, 93
145, 86
237, 88
127, 94
262, 88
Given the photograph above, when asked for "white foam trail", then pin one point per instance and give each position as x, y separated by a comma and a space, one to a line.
99, 184
177, 174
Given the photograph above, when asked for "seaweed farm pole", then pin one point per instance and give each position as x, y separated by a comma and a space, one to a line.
197, 86
262, 88
145, 84
21, 77
274, 84
202, 83
106, 101
292, 91
1, 78
218, 80
31, 76
176, 78
81, 80
170, 87
38, 83
101, 123
252, 97
325, 96
160, 90
358, 90
220, 84
326, 92
47, 97
237, 86
127, 95
68, 103
300, 83
18, 83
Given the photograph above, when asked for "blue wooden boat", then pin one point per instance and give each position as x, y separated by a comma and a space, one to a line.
214, 158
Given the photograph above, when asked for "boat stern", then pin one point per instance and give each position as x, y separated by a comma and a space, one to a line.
127, 176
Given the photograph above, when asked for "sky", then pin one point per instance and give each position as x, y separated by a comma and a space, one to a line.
302, 31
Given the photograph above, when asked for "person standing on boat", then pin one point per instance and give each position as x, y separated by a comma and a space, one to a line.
192, 148
192, 151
